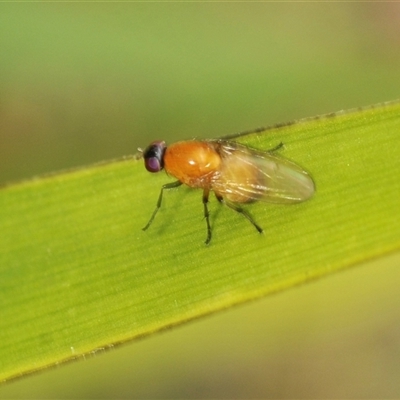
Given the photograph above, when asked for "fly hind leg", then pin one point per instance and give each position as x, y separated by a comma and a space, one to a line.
276, 148
241, 211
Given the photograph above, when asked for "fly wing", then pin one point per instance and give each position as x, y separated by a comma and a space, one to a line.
247, 174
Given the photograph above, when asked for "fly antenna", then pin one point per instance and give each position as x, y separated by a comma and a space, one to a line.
139, 154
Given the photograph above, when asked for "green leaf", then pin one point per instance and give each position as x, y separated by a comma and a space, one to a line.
78, 274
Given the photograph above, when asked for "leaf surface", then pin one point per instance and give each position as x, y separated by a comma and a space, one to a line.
78, 274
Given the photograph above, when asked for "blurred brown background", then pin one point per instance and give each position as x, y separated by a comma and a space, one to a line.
85, 82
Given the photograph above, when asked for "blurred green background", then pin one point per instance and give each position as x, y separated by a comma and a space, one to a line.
85, 82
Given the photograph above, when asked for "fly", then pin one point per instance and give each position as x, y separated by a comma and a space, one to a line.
237, 174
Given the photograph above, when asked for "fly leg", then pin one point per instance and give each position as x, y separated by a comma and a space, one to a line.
276, 148
240, 210
206, 192
166, 186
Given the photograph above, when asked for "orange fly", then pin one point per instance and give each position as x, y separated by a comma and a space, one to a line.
235, 173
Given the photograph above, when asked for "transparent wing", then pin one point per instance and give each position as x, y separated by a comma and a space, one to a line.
247, 174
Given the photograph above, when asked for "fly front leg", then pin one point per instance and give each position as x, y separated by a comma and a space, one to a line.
166, 186
206, 193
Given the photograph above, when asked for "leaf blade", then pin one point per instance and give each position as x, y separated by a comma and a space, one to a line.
79, 275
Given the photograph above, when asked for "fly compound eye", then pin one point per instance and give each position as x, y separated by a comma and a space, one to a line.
153, 156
